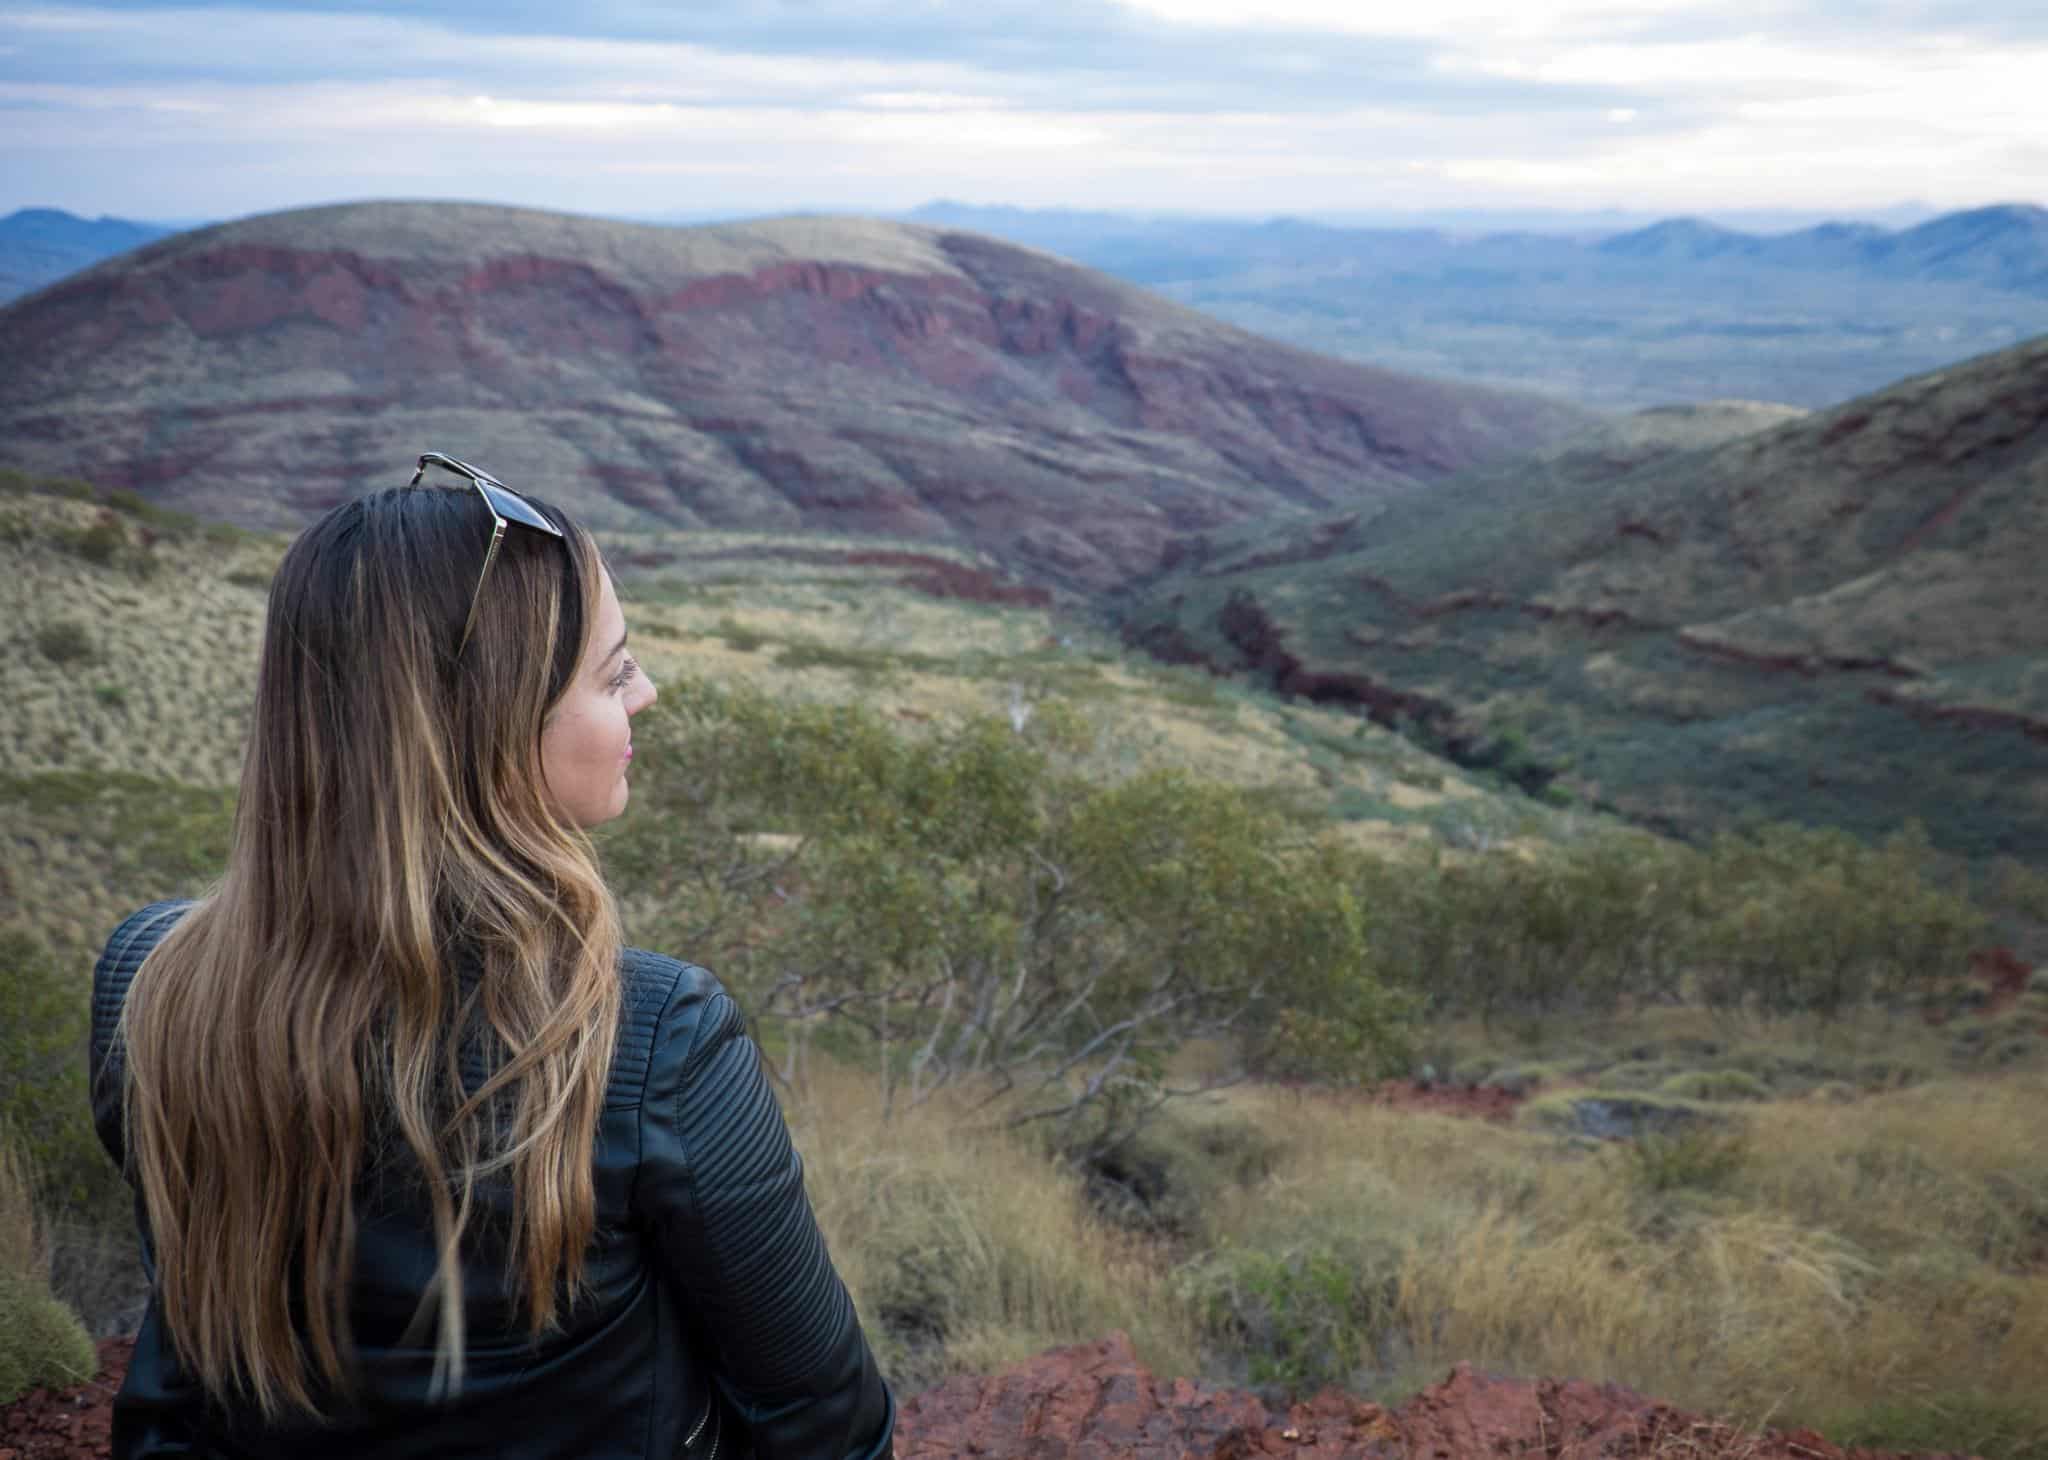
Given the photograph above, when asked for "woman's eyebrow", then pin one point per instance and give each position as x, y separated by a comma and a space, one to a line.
615, 650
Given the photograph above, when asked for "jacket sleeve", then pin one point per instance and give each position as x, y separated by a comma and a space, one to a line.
159, 1407
720, 1193
127, 947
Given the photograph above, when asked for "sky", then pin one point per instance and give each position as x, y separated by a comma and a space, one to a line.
661, 108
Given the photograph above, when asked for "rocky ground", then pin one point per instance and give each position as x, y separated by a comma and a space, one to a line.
1095, 1400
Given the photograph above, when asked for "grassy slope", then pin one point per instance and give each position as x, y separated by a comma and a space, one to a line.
117, 769
1737, 630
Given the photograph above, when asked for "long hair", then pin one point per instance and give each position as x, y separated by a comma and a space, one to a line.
312, 1016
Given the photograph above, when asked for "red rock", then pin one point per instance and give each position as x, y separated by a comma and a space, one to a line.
1095, 1401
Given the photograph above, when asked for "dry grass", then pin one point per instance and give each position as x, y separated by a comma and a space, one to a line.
965, 1249
166, 689
1863, 1256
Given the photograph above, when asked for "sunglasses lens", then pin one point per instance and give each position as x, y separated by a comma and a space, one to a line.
514, 508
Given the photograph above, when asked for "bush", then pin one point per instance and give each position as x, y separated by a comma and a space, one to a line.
742, 639
65, 641
1955, 1424
1302, 1318
1808, 921
43, 1097
1716, 1085
41, 1342
1690, 1158
102, 542
967, 909
1577, 929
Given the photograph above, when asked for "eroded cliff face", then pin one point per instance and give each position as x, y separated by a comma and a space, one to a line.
848, 377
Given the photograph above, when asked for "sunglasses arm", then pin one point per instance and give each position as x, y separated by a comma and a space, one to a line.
490, 556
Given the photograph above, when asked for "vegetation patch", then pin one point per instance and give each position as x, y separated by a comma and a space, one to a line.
66, 641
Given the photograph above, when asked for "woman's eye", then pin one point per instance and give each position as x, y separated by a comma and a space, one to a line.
625, 674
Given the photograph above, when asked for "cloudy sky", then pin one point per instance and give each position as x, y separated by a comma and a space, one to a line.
645, 108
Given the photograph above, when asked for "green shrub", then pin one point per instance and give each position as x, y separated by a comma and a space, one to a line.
100, 543
1638, 1075
1305, 1319
65, 641
1953, 1424
975, 910
1496, 933
43, 1095
113, 696
742, 639
1806, 921
1691, 1158
1715, 1085
810, 654
41, 1341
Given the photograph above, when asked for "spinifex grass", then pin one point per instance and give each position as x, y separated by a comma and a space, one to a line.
1863, 1265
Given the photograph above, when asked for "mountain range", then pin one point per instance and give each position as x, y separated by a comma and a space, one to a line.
1681, 311
796, 374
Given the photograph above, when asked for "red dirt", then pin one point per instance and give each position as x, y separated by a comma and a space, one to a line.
2006, 975
1485, 1102
1996, 979
1095, 1400
67, 1424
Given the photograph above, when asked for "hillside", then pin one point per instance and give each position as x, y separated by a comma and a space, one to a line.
791, 375
1838, 619
128, 643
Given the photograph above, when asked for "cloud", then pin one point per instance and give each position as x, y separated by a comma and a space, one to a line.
1293, 105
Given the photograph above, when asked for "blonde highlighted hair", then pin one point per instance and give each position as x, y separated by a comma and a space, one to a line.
411, 958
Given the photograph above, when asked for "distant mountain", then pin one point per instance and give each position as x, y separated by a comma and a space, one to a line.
838, 374
41, 245
1680, 240
2004, 247
1838, 618
1680, 310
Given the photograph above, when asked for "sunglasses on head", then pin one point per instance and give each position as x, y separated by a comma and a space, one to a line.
506, 506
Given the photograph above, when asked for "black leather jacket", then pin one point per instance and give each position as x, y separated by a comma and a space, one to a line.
714, 1319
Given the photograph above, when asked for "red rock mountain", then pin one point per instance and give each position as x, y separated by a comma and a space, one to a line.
803, 373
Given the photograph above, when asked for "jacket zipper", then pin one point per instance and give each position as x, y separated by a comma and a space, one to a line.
697, 1431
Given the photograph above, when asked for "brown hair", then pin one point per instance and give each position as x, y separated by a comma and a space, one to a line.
311, 1014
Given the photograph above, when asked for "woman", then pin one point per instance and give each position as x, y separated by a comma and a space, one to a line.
426, 1163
